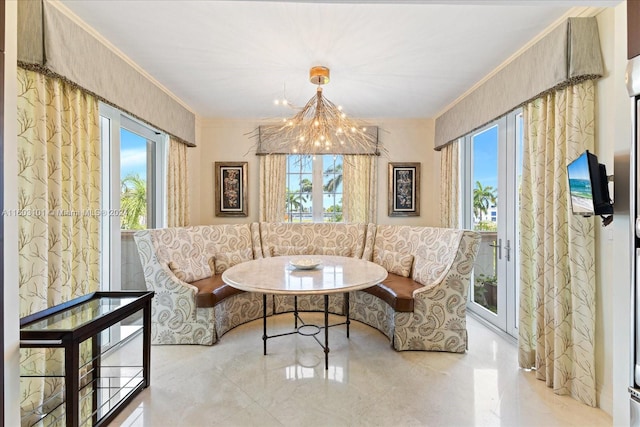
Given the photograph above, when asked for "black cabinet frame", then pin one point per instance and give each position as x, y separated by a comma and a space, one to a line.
70, 339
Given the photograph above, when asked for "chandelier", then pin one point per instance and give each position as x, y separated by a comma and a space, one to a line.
317, 128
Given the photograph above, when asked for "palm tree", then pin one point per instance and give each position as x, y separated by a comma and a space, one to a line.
133, 202
306, 187
337, 209
294, 201
335, 181
483, 199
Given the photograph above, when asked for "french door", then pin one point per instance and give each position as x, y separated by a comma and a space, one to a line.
491, 172
133, 166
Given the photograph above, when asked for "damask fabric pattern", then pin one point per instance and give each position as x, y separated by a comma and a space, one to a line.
193, 269
369, 240
318, 237
372, 311
439, 320
175, 319
311, 239
255, 238
557, 274
430, 246
177, 185
225, 260
443, 258
394, 262
59, 210
360, 188
273, 177
449, 185
239, 309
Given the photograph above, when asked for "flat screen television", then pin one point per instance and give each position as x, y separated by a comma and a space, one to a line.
588, 186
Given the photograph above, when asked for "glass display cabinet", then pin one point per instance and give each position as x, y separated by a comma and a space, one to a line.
83, 361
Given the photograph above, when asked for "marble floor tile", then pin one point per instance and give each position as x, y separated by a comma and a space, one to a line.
367, 384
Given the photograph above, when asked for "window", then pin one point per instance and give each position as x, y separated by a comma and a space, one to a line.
133, 180
314, 188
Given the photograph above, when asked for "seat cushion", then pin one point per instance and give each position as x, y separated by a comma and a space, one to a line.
212, 291
397, 291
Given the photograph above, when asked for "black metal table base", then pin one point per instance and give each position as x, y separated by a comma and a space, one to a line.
306, 329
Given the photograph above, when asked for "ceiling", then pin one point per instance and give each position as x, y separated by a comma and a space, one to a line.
400, 59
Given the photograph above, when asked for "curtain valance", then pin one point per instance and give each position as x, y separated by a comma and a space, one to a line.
568, 54
51, 42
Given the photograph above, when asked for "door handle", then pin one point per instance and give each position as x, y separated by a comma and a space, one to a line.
508, 249
499, 246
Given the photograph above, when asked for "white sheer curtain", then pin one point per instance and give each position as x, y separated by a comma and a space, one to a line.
273, 170
360, 188
450, 185
557, 273
177, 185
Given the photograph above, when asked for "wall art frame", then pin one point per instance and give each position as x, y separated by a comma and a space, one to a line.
230, 188
404, 189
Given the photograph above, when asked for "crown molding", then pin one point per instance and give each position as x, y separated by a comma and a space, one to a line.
575, 12
67, 12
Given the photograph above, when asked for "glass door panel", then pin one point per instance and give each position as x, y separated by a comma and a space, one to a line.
485, 178
492, 170
136, 203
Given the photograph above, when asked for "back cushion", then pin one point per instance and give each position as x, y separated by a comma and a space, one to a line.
433, 248
180, 243
191, 269
321, 238
394, 262
225, 260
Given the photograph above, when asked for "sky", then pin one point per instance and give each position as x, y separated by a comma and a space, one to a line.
133, 154
485, 158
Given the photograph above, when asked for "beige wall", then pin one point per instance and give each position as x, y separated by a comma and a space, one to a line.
613, 255
228, 140
604, 150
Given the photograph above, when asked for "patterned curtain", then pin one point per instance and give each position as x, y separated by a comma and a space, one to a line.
273, 170
177, 185
450, 185
59, 211
557, 274
360, 188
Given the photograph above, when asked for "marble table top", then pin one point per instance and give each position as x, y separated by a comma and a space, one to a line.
276, 275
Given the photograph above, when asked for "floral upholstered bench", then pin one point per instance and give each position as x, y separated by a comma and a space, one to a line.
420, 306
422, 303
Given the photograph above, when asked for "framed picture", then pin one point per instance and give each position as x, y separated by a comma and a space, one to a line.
231, 188
404, 189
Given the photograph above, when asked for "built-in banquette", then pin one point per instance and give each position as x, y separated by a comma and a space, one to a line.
420, 306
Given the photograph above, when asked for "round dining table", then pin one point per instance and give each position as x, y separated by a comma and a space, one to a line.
299, 275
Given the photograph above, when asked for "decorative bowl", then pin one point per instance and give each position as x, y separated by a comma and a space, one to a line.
305, 263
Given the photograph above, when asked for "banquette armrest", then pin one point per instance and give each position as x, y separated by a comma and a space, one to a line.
428, 263
188, 285
169, 290
459, 265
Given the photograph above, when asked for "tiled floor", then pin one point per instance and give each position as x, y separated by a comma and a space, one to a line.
367, 384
